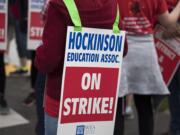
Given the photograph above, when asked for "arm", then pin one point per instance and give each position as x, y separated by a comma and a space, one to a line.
50, 55
169, 19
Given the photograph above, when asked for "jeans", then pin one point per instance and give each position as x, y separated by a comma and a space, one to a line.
39, 89
174, 103
50, 125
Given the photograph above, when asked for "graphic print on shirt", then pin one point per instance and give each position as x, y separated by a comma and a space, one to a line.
135, 7
137, 21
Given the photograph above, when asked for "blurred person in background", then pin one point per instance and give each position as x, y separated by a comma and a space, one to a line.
174, 87
31, 97
18, 10
40, 86
144, 77
121, 105
4, 109
174, 104
10, 33
129, 113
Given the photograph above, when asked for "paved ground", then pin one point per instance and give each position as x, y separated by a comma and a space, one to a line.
18, 88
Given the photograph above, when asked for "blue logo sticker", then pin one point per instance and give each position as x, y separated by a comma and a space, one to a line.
80, 130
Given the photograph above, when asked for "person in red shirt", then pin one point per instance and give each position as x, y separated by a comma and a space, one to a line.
144, 77
171, 4
18, 10
174, 87
50, 55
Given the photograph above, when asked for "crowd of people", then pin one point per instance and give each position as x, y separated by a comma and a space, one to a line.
141, 76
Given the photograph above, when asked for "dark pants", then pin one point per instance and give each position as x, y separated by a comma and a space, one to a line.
174, 104
119, 121
21, 40
40, 84
145, 114
2, 75
33, 70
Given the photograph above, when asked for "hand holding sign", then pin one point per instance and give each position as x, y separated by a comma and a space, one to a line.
172, 32
168, 51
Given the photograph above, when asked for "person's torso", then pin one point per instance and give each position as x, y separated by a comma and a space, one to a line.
137, 15
94, 14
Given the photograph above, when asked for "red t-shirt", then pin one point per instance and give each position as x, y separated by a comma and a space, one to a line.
137, 15
171, 3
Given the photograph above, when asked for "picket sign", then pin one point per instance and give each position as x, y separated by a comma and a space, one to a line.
168, 51
35, 23
3, 24
91, 78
